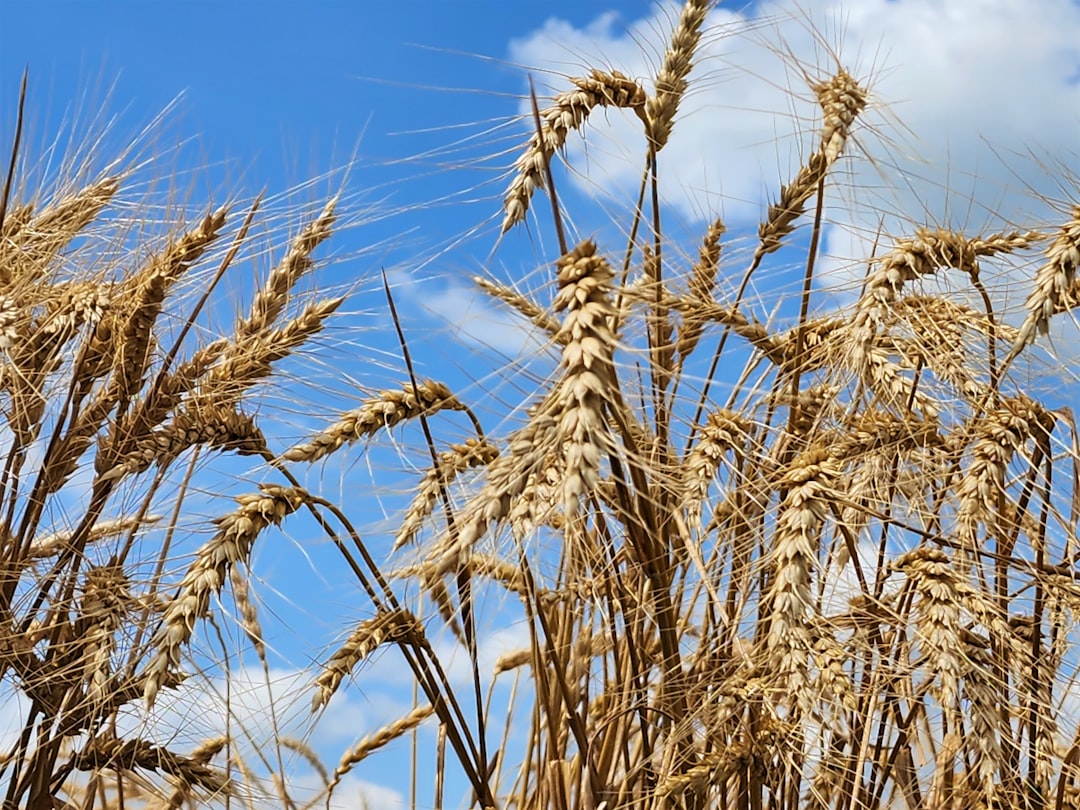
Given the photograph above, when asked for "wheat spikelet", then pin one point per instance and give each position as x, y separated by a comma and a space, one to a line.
939, 627
671, 82
249, 616
998, 437
243, 364
381, 412
978, 690
232, 544
567, 113
105, 602
150, 288
837, 699
396, 626
538, 502
700, 291
460, 457
508, 477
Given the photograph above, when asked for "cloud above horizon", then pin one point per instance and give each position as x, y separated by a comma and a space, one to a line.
973, 121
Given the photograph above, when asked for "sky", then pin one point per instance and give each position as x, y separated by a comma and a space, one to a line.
974, 123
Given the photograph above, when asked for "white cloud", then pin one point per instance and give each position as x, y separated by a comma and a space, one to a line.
973, 123
968, 78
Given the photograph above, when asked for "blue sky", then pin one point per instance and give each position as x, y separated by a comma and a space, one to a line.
977, 104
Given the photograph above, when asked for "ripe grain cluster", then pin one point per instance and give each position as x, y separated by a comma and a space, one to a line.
851, 584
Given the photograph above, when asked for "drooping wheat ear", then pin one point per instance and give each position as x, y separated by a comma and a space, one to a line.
700, 293
841, 99
218, 427
460, 457
231, 544
889, 380
809, 346
373, 742
998, 436
939, 626
202, 754
1054, 282
671, 80
388, 627
809, 485
383, 411
567, 113
588, 344
104, 752
272, 298
520, 303
929, 251
722, 431
939, 329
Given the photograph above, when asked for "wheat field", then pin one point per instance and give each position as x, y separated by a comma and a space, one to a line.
824, 557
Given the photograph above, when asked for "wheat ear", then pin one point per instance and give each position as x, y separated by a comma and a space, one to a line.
567, 113
367, 746
381, 412
232, 544
671, 83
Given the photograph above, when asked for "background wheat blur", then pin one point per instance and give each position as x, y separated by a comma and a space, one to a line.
813, 557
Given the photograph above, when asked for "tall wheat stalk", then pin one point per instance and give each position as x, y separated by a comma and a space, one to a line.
851, 585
